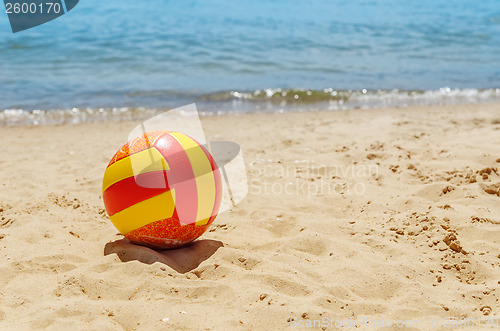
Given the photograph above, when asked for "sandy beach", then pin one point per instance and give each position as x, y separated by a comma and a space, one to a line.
381, 214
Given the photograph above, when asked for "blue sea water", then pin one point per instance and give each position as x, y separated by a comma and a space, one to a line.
253, 54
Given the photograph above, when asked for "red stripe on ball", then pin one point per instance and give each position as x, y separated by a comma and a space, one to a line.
181, 178
132, 190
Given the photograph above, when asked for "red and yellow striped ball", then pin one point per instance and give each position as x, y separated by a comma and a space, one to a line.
162, 189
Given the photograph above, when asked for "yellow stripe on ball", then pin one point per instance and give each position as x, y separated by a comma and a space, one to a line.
133, 165
148, 211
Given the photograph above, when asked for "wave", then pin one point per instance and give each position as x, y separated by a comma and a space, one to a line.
265, 100
368, 98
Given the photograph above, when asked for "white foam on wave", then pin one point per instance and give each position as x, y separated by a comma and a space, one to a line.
261, 101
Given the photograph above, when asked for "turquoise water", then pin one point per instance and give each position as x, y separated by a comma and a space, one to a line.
251, 55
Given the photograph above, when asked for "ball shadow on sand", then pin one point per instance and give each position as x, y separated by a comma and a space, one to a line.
182, 259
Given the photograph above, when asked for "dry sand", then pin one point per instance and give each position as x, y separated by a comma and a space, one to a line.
387, 214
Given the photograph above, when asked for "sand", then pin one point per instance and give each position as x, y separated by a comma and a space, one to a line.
387, 214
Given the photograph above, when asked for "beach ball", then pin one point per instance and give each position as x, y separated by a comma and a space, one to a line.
162, 189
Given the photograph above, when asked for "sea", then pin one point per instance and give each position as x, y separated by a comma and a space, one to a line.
126, 59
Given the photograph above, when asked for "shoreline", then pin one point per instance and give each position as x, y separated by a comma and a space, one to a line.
268, 99
19, 117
